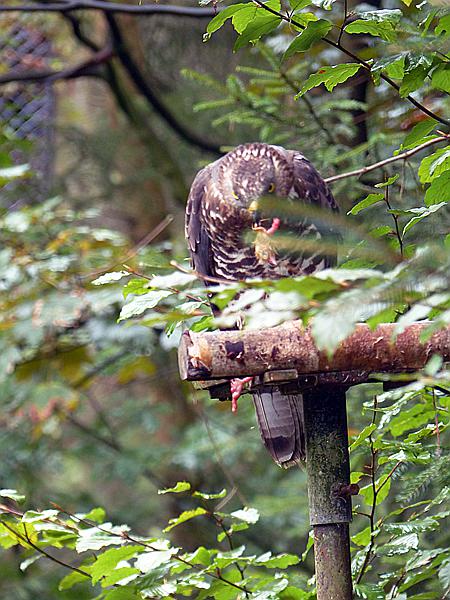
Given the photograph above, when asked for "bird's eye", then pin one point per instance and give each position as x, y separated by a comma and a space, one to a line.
271, 188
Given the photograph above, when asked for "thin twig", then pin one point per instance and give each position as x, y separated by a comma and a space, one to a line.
145, 241
373, 462
386, 161
27, 540
395, 219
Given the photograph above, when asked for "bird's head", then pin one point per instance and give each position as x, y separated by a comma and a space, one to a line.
253, 172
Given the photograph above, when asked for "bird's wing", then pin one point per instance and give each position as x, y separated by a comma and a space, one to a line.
196, 234
309, 184
317, 224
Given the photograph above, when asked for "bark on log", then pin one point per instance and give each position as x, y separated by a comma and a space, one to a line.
219, 354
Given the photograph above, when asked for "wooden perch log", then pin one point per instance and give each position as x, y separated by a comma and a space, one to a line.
290, 347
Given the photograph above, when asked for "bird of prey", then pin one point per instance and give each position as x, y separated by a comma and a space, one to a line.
228, 239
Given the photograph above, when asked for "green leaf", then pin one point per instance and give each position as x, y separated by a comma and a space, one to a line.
180, 486
392, 65
72, 579
440, 78
369, 201
416, 70
96, 539
415, 526
32, 516
418, 132
315, 31
421, 213
206, 496
148, 561
139, 305
433, 165
185, 516
217, 22
382, 485
248, 515
330, 76
388, 182
120, 576
401, 545
12, 495
111, 277
362, 437
299, 4
125, 593
136, 287
444, 572
16, 172
261, 25
281, 561
385, 31
363, 537
439, 190
107, 561
96, 514
379, 23
443, 26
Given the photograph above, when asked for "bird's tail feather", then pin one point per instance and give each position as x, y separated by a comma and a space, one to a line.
280, 421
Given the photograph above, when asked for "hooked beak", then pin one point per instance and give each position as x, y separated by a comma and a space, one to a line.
256, 215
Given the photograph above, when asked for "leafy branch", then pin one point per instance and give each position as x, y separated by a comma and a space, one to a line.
402, 156
339, 46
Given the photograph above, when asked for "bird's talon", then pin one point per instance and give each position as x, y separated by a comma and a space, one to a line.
236, 387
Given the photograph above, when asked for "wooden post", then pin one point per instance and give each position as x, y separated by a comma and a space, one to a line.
329, 490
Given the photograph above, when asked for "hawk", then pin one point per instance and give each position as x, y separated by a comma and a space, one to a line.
228, 239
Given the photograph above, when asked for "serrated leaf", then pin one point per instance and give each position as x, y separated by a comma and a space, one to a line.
108, 560
379, 23
418, 132
111, 277
434, 165
72, 579
136, 287
401, 545
315, 31
299, 4
443, 26
363, 436
96, 539
440, 78
147, 561
281, 561
422, 213
439, 190
370, 200
206, 496
180, 486
140, 304
217, 22
12, 495
388, 181
444, 575
32, 516
385, 31
416, 70
363, 537
261, 25
248, 515
330, 76
29, 561
120, 576
187, 515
